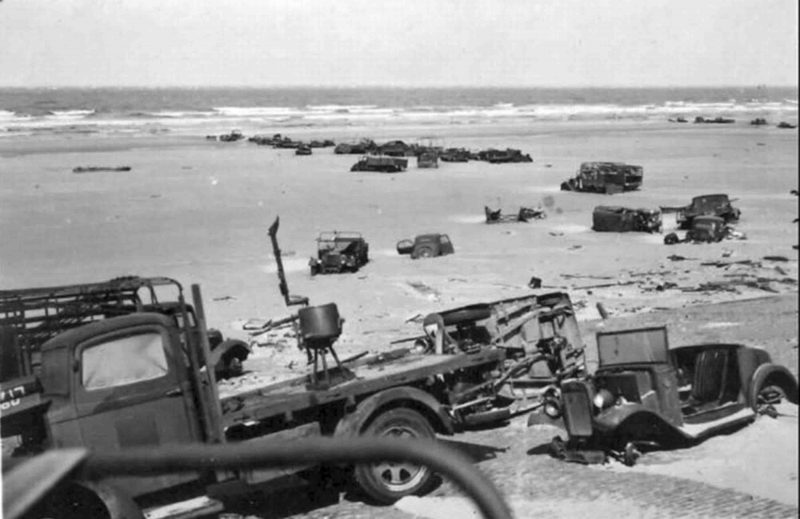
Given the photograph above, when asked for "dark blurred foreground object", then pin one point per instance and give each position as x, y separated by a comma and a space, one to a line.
28, 486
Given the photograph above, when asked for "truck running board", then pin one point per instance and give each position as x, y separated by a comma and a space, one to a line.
197, 507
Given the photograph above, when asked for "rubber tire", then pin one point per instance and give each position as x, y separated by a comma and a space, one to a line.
397, 422
770, 380
425, 252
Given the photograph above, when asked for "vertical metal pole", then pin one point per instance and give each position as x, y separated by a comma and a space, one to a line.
205, 352
201, 397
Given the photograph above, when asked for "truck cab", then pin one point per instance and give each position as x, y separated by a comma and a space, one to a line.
117, 383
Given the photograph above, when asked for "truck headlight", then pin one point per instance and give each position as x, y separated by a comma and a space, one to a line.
603, 399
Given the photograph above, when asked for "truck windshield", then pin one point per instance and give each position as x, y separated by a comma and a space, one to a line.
632, 346
123, 361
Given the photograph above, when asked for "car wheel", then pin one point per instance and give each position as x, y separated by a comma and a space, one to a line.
671, 239
387, 482
557, 448
630, 454
769, 388
425, 252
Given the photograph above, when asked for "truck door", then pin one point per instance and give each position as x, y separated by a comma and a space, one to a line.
132, 389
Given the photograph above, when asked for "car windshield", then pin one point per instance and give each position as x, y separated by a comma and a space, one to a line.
632, 346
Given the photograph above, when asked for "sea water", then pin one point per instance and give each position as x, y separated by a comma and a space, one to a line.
203, 110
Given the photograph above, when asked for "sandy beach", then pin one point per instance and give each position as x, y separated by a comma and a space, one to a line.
198, 211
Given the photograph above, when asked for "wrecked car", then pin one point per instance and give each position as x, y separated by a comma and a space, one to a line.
645, 395
605, 177
355, 148
426, 246
524, 214
717, 204
621, 219
508, 155
383, 164
339, 252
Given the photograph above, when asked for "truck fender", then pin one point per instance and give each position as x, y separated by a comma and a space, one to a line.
404, 396
772, 374
228, 350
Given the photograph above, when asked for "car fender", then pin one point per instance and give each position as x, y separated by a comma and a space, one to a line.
613, 420
404, 396
778, 374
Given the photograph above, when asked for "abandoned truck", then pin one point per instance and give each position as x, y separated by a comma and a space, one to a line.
384, 164
645, 395
339, 252
30, 317
605, 177
621, 219
139, 379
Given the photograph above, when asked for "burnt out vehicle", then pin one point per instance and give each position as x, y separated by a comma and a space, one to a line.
426, 246
525, 214
355, 148
707, 205
383, 164
506, 156
605, 177
428, 159
645, 395
455, 155
621, 219
30, 317
339, 252
703, 229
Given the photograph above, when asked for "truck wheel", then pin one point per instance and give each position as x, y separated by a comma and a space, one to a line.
387, 482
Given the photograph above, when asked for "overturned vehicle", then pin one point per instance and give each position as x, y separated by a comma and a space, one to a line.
645, 395
605, 177
525, 214
339, 252
621, 219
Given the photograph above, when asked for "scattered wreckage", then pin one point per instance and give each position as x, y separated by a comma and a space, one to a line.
428, 159
525, 214
121, 373
622, 219
96, 169
605, 177
645, 395
383, 164
426, 246
339, 252
355, 148
786, 126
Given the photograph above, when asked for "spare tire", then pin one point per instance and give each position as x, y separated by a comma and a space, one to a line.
671, 239
405, 247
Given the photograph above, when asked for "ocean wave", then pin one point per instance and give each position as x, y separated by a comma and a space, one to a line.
256, 118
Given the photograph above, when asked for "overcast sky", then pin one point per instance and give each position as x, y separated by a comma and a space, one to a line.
398, 42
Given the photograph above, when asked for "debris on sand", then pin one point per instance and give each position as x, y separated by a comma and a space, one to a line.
94, 169
525, 214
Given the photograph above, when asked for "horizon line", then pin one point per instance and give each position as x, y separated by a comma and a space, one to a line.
395, 87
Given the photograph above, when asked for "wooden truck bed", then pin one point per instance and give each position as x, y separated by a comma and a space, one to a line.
372, 374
